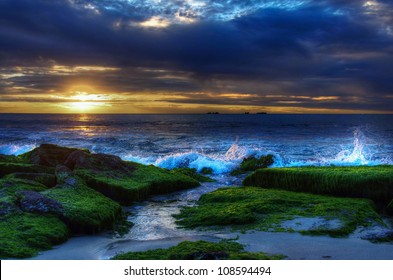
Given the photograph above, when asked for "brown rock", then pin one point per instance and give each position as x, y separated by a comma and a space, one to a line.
50, 155
80, 159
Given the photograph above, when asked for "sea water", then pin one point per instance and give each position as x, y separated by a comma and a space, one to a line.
220, 142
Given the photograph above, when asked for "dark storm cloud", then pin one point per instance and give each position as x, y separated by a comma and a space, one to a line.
331, 47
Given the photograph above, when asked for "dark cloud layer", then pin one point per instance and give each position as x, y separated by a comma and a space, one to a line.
333, 48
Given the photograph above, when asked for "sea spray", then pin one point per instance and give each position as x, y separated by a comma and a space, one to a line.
220, 163
16, 149
356, 156
235, 152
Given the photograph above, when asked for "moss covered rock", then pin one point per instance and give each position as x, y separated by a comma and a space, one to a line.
119, 180
207, 171
10, 158
372, 182
11, 167
144, 181
84, 209
246, 208
46, 179
83, 159
48, 155
199, 250
10, 187
23, 235
192, 172
7, 206
253, 163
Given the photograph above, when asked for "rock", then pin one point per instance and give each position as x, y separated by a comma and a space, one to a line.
192, 173
62, 174
9, 187
49, 155
371, 182
24, 234
78, 159
253, 163
7, 208
35, 202
9, 158
81, 159
46, 179
128, 187
201, 255
12, 167
206, 171
85, 210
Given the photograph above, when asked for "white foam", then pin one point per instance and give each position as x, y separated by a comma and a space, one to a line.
198, 161
358, 154
16, 149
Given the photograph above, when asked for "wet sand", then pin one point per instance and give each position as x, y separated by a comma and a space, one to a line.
293, 245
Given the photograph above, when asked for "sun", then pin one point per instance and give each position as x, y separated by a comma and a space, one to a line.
82, 106
83, 102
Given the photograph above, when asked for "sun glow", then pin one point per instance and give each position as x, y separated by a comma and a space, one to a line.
83, 102
81, 106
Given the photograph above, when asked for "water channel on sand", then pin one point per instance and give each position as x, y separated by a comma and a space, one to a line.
155, 228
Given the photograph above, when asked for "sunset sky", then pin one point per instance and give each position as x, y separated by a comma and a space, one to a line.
195, 56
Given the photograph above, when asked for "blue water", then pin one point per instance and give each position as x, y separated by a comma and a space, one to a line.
216, 141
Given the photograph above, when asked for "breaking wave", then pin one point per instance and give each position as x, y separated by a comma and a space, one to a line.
360, 151
16, 149
357, 154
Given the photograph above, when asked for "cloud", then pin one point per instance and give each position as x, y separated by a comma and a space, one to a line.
283, 48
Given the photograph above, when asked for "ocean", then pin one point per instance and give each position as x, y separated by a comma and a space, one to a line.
216, 141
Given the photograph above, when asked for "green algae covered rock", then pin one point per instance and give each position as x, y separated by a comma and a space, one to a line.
23, 235
122, 181
207, 171
46, 179
253, 163
199, 250
17, 167
85, 210
192, 172
144, 181
253, 208
11, 187
372, 182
